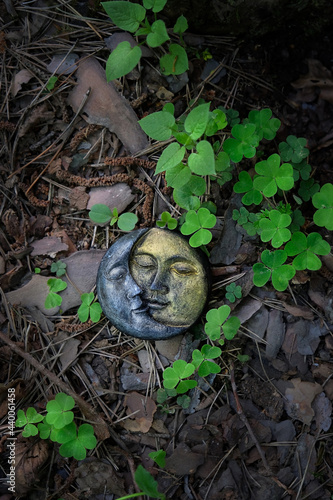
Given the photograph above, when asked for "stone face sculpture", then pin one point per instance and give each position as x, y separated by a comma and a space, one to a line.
152, 285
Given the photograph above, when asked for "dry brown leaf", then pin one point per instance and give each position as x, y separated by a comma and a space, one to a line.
78, 198
23, 76
301, 311
143, 407
50, 245
318, 76
105, 106
183, 461
299, 399
29, 461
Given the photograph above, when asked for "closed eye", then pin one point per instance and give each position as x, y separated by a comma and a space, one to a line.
116, 273
183, 269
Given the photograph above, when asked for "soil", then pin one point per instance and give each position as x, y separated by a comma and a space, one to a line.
261, 428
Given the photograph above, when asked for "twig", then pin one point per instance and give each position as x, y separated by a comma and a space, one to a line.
244, 419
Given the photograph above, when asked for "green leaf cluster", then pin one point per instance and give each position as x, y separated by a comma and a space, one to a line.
246, 219
59, 268
176, 376
132, 17
198, 224
233, 292
58, 425
202, 360
273, 266
218, 323
293, 149
89, 308
323, 201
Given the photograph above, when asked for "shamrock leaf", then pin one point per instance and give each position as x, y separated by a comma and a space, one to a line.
197, 222
167, 220
266, 126
271, 176
294, 149
323, 200
307, 249
245, 185
244, 142
58, 413
275, 228
187, 195
308, 188
272, 266
174, 376
217, 322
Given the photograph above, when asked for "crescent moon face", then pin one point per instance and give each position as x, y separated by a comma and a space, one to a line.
151, 284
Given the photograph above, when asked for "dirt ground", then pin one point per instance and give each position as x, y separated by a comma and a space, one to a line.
260, 429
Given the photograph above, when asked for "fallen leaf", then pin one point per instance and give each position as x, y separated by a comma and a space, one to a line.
299, 399
275, 333
105, 106
143, 408
97, 477
318, 76
50, 245
23, 76
78, 198
183, 461
63, 64
120, 196
32, 294
323, 412
299, 311
29, 460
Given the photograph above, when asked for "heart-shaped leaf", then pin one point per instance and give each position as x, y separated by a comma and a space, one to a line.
122, 60
202, 162
175, 62
158, 34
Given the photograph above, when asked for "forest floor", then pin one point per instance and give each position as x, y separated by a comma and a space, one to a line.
266, 436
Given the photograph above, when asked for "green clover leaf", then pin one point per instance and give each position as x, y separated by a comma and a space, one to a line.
59, 268
308, 188
167, 220
58, 413
293, 149
245, 185
100, 213
87, 308
27, 420
201, 360
75, 442
233, 292
307, 249
174, 376
217, 322
275, 228
187, 196
272, 266
266, 126
271, 176
197, 222
244, 142
323, 200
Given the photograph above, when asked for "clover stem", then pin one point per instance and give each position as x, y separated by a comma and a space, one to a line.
131, 496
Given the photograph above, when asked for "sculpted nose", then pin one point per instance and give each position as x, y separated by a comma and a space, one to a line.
133, 290
159, 283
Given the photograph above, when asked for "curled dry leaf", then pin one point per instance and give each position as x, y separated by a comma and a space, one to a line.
23, 76
299, 399
50, 245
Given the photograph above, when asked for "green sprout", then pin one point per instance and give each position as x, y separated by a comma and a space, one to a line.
197, 223
174, 377
323, 200
217, 323
53, 299
233, 292
307, 248
27, 420
101, 214
273, 266
89, 308
167, 221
